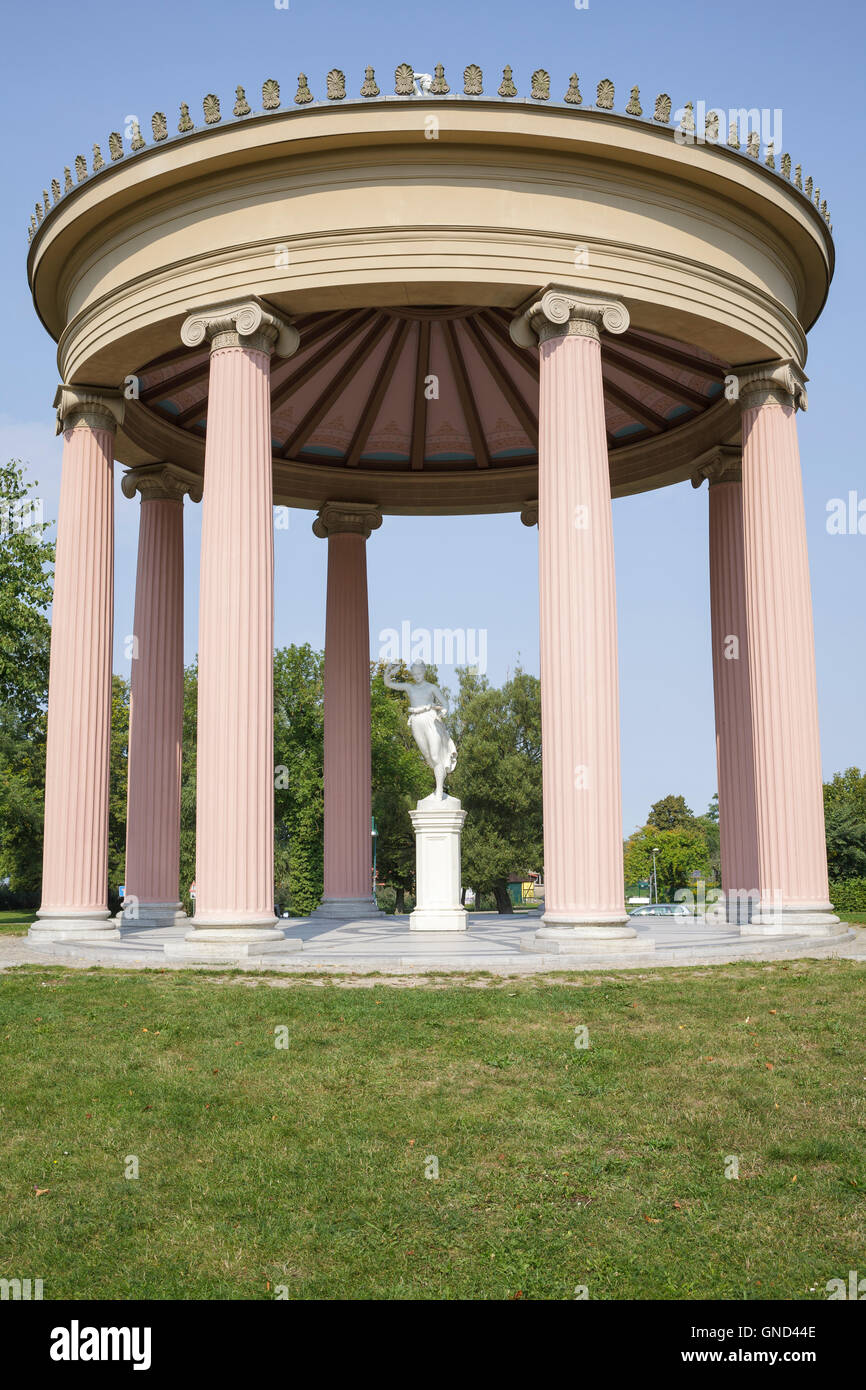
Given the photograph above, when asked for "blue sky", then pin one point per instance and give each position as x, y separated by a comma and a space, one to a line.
73, 72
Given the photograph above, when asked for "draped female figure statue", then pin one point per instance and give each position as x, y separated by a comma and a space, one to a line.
427, 706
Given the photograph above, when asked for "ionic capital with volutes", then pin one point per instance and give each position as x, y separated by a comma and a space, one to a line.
245, 323
356, 518
562, 312
88, 407
772, 383
721, 464
162, 482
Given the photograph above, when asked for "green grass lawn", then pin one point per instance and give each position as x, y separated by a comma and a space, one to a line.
15, 922
303, 1168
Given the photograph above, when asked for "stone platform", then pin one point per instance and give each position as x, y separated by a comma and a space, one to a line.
491, 943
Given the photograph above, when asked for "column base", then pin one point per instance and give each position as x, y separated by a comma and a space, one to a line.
561, 934
230, 943
68, 925
438, 919
146, 915
347, 910
798, 919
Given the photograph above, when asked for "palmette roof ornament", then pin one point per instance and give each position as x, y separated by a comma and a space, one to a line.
406, 85
55, 190
662, 112
439, 87
507, 87
404, 80
369, 88
540, 88
335, 85
604, 94
473, 82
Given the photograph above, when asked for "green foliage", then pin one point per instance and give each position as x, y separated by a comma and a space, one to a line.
22, 779
848, 895
298, 777
845, 823
683, 853
187, 786
498, 779
671, 813
400, 779
25, 593
117, 783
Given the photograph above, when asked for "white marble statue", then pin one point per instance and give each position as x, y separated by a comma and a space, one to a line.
427, 708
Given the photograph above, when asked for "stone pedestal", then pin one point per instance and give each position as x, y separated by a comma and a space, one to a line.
438, 826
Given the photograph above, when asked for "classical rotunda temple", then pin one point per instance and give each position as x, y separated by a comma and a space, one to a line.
454, 297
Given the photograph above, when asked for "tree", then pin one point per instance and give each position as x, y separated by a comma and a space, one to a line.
117, 784
846, 842
683, 857
188, 786
298, 777
25, 594
670, 813
400, 779
498, 779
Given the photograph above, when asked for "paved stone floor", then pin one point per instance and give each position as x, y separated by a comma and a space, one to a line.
386, 945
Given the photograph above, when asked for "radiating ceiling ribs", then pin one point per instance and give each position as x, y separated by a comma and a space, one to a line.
299, 373
528, 359
657, 423
672, 354
672, 388
419, 411
377, 395
512, 394
467, 398
335, 387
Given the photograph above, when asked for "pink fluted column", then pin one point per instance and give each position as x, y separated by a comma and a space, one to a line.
348, 881
235, 763
731, 683
156, 699
792, 859
75, 857
583, 866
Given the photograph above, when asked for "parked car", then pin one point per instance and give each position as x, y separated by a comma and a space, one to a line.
661, 910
